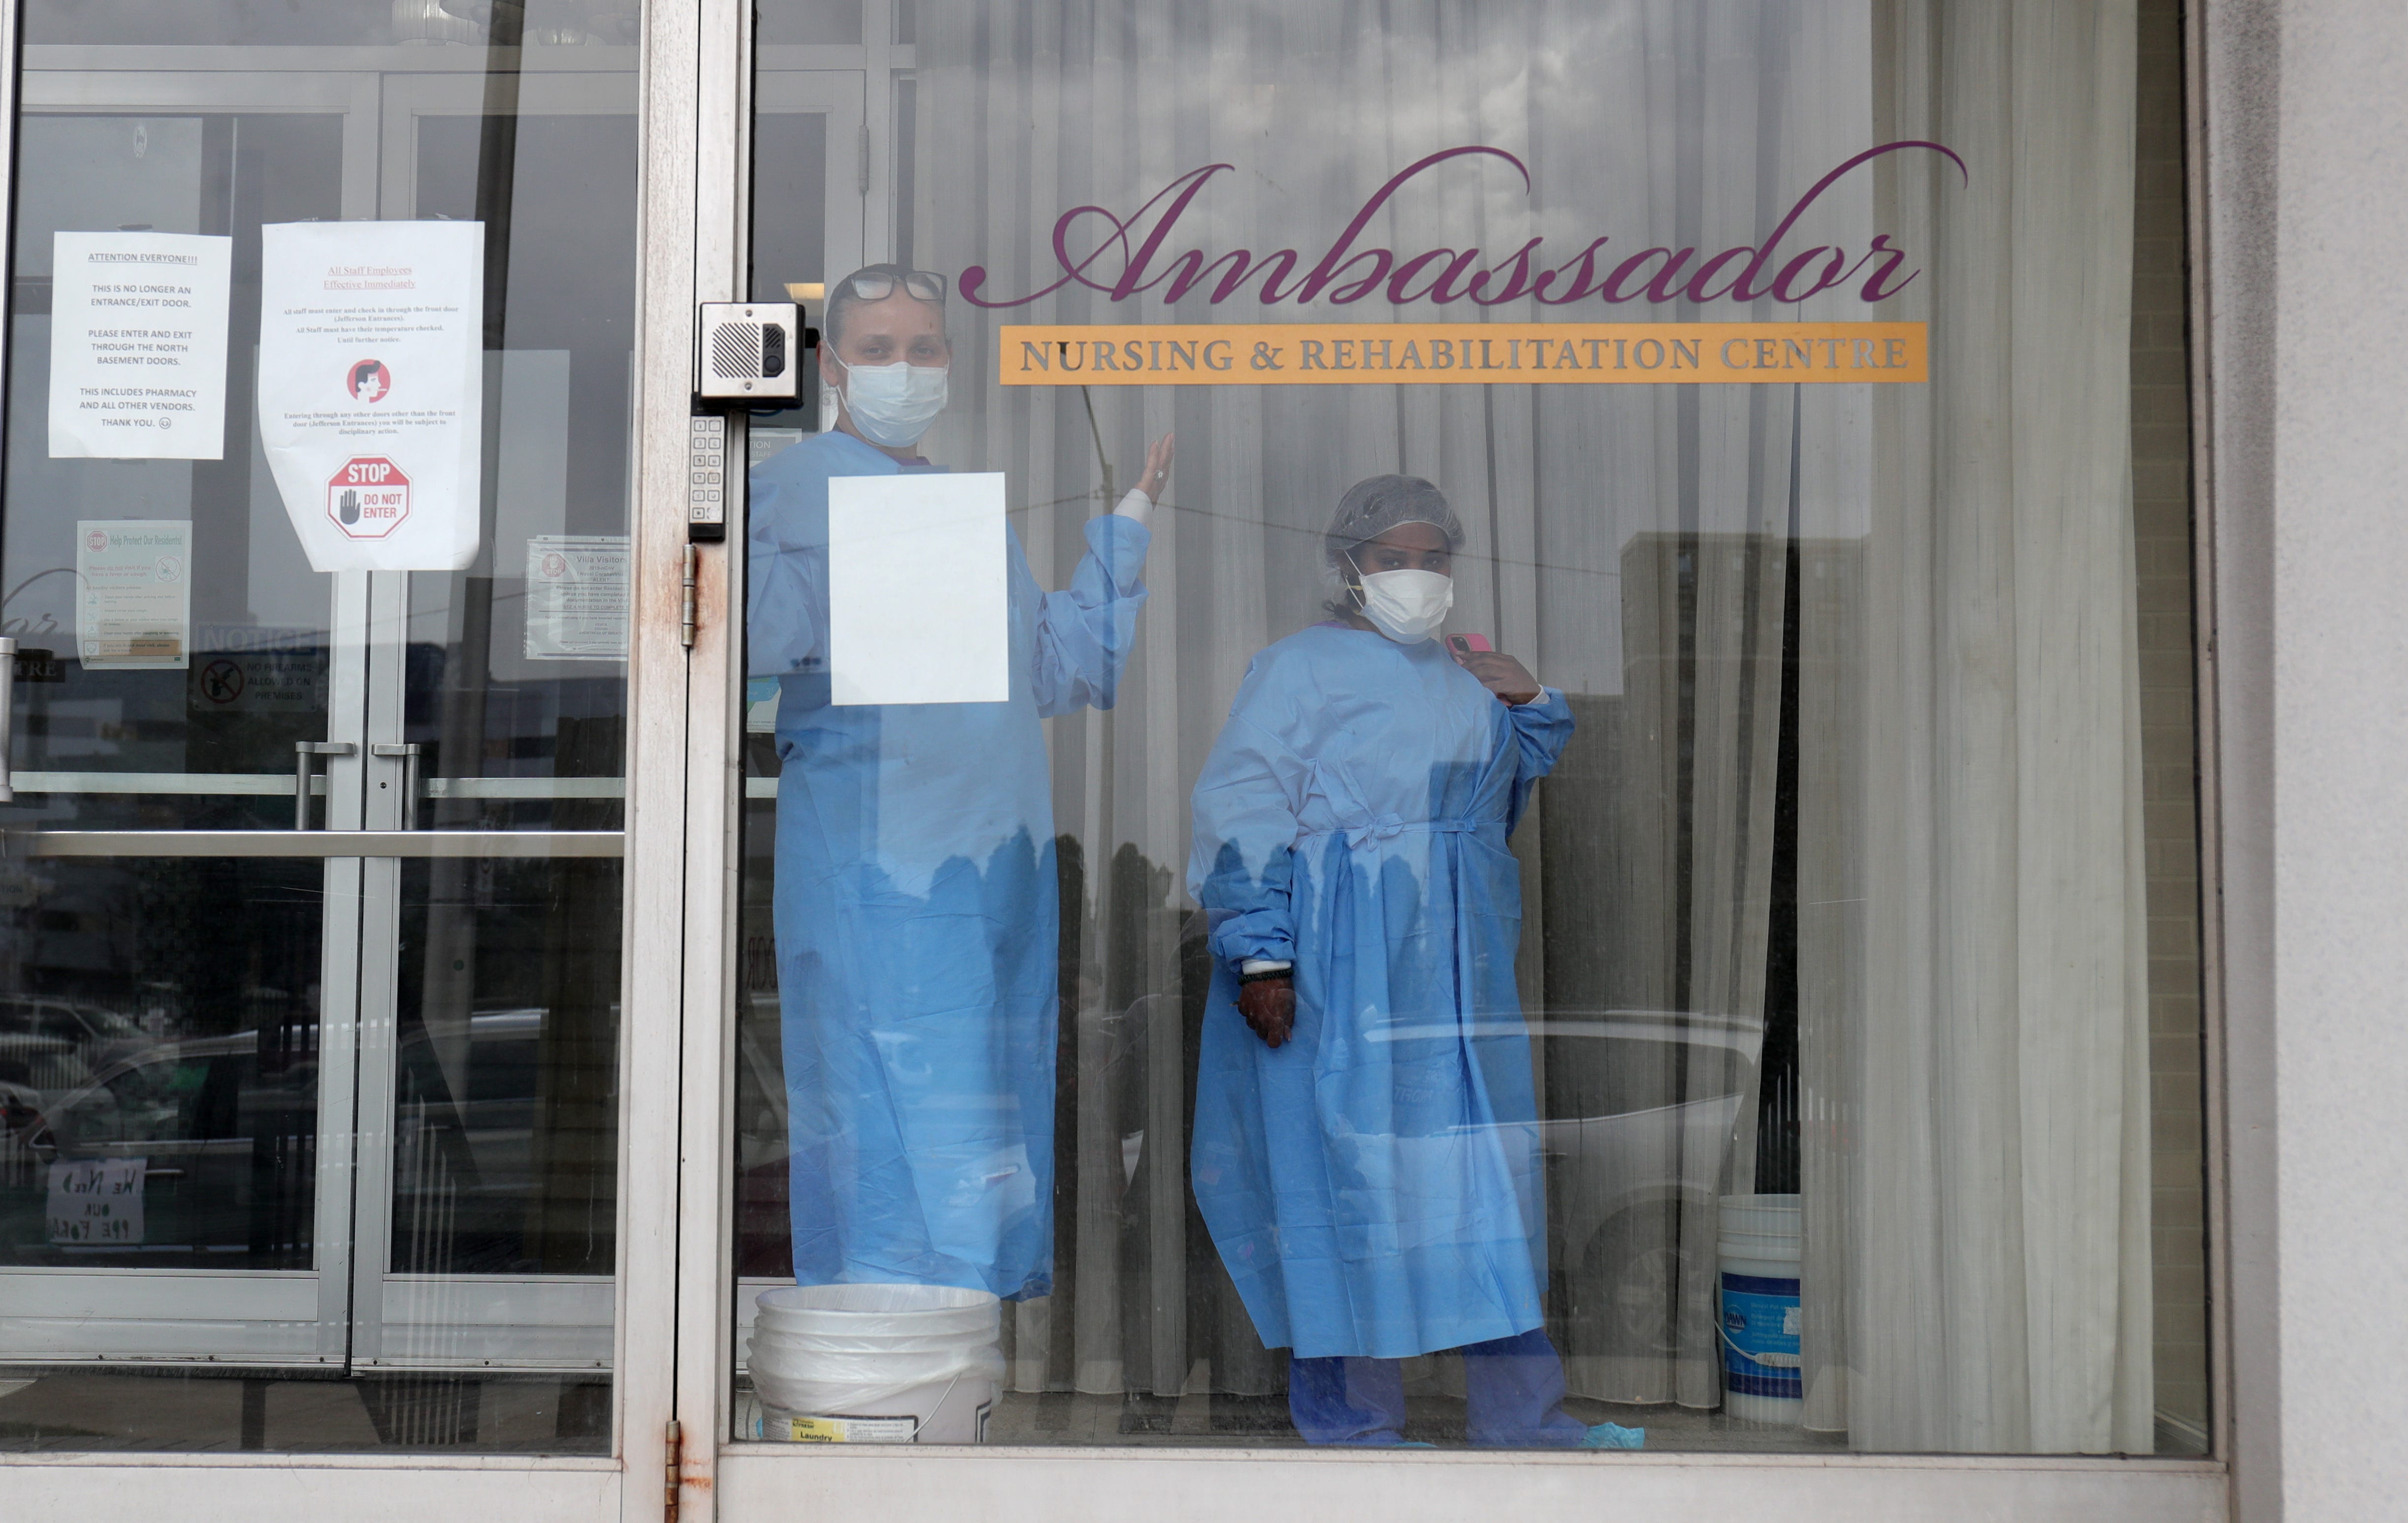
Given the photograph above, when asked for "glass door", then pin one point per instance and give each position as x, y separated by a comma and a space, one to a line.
512, 694
319, 568
176, 1144
808, 200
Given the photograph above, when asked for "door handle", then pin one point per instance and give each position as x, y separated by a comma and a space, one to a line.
8, 713
408, 756
304, 755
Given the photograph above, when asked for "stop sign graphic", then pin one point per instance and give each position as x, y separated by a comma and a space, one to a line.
368, 497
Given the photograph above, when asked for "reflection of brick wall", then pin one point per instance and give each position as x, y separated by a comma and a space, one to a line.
2161, 519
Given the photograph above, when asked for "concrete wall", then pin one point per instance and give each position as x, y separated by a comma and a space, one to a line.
2307, 139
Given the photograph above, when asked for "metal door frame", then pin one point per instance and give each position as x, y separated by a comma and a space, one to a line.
852, 83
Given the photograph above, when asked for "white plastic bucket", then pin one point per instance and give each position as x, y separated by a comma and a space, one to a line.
926, 1309
1762, 1238
876, 1364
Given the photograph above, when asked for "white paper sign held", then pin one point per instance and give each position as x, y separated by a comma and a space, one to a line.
919, 608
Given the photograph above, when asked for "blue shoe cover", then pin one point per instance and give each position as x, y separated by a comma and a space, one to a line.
1606, 1435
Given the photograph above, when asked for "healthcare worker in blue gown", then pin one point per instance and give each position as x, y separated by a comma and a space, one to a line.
914, 905
1366, 1151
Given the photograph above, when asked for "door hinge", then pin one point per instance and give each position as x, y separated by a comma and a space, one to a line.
862, 169
686, 565
672, 1439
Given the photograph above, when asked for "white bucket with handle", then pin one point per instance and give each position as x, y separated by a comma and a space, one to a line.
1763, 1370
876, 1364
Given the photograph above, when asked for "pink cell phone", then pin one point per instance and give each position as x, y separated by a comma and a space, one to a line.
1464, 644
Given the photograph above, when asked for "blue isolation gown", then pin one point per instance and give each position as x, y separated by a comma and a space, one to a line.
1373, 1185
915, 910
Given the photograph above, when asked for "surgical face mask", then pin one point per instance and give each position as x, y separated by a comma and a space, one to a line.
1407, 606
894, 404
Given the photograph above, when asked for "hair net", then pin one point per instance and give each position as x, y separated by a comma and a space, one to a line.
1376, 504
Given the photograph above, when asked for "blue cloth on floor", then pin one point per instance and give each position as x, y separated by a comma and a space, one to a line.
915, 909
1374, 1186
1514, 1389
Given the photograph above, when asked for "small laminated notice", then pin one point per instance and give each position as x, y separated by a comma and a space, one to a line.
133, 596
578, 597
851, 1429
97, 1201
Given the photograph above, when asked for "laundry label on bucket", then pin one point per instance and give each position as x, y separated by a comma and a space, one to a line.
1760, 1336
851, 1429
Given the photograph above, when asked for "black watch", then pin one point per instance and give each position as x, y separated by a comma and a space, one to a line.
1288, 971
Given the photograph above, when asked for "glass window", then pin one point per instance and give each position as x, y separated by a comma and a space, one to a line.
316, 522
1471, 726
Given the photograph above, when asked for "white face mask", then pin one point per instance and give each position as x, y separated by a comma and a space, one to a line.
894, 404
1407, 606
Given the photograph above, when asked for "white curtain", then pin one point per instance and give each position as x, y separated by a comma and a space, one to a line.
1664, 543
1651, 121
1971, 935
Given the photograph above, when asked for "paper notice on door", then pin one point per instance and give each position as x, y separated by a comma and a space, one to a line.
96, 1200
371, 388
138, 345
918, 607
134, 593
576, 597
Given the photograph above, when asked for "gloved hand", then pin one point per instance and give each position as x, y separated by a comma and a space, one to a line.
1508, 678
1269, 1005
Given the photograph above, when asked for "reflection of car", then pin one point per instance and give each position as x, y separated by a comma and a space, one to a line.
1639, 1104
34, 1070
40, 1015
470, 1195
21, 1107
21, 1113
497, 1113
35, 1066
1637, 1118
227, 1145
94, 1035
1642, 1108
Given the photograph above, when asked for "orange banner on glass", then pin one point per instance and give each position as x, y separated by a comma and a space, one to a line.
1461, 353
